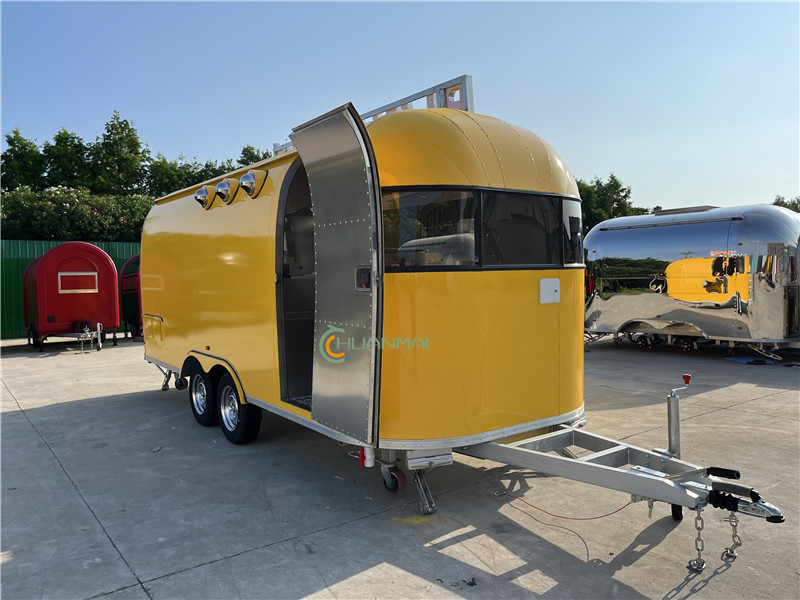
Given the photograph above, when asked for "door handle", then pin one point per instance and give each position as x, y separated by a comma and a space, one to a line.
363, 279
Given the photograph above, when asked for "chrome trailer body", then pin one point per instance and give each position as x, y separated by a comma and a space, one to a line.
722, 274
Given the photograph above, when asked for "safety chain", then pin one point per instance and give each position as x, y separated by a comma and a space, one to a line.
730, 552
698, 564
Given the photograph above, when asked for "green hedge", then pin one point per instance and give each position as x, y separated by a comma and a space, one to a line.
61, 213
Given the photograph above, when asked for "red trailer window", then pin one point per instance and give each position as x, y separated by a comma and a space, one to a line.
77, 282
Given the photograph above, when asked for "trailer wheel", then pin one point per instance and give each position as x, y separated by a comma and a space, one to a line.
202, 398
239, 422
399, 481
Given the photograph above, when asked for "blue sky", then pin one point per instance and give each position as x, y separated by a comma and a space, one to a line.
688, 103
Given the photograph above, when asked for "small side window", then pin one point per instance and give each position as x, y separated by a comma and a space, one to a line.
573, 236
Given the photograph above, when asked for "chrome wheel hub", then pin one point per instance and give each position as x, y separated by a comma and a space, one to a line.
199, 395
229, 409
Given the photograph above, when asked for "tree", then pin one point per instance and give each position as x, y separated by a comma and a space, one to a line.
21, 164
791, 204
213, 169
166, 176
605, 200
252, 155
67, 161
119, 159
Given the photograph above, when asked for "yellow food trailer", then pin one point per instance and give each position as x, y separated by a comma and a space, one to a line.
412, 289
419, 288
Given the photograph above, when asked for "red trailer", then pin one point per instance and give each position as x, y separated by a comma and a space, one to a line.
71, 290
131, 293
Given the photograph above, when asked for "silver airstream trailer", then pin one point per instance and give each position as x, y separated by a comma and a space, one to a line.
682, 276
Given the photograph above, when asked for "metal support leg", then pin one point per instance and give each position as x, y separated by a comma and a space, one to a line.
674, 417
427, 506
167, 375
674, 424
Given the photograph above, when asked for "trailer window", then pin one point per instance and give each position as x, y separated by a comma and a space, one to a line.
521, 229
573, 237
429, 228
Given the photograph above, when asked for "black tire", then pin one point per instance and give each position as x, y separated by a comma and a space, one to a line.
202, 396
677, 512
239, 422
399, 481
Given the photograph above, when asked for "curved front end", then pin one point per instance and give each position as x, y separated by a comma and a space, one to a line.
483, 284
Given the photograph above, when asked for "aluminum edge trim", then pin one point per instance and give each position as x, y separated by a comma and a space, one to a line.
160, 363
306, 422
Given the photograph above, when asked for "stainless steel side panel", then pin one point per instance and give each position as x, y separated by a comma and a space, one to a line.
343, 180
747, 292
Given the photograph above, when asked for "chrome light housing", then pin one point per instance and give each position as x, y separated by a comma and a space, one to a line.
252, 182
225, 191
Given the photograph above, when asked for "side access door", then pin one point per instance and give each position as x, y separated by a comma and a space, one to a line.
345, 195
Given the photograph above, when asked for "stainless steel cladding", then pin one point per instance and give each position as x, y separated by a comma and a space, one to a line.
725, 274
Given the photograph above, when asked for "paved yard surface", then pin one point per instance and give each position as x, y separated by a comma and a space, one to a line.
111, 490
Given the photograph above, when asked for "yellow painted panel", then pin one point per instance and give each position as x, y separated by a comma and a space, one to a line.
496, 357
692, 280
209, 275
570, 348
451, 147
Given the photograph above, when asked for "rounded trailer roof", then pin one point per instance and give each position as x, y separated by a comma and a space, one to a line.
433, 147
699, 214
760, 221
758, 226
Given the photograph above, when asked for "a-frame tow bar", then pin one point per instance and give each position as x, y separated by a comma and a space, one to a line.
651, 475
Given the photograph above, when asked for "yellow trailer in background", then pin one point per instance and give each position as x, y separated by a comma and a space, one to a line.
412, 289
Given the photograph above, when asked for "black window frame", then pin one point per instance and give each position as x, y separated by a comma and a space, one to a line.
480, 193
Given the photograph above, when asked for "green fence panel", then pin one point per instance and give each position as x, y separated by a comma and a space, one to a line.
15, 256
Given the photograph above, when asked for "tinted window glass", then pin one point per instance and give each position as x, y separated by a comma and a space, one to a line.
573, 238
429, 228
521, 229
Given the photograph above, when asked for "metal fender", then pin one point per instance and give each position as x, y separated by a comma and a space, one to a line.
212, 365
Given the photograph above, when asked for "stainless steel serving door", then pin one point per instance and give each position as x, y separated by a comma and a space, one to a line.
343, 180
